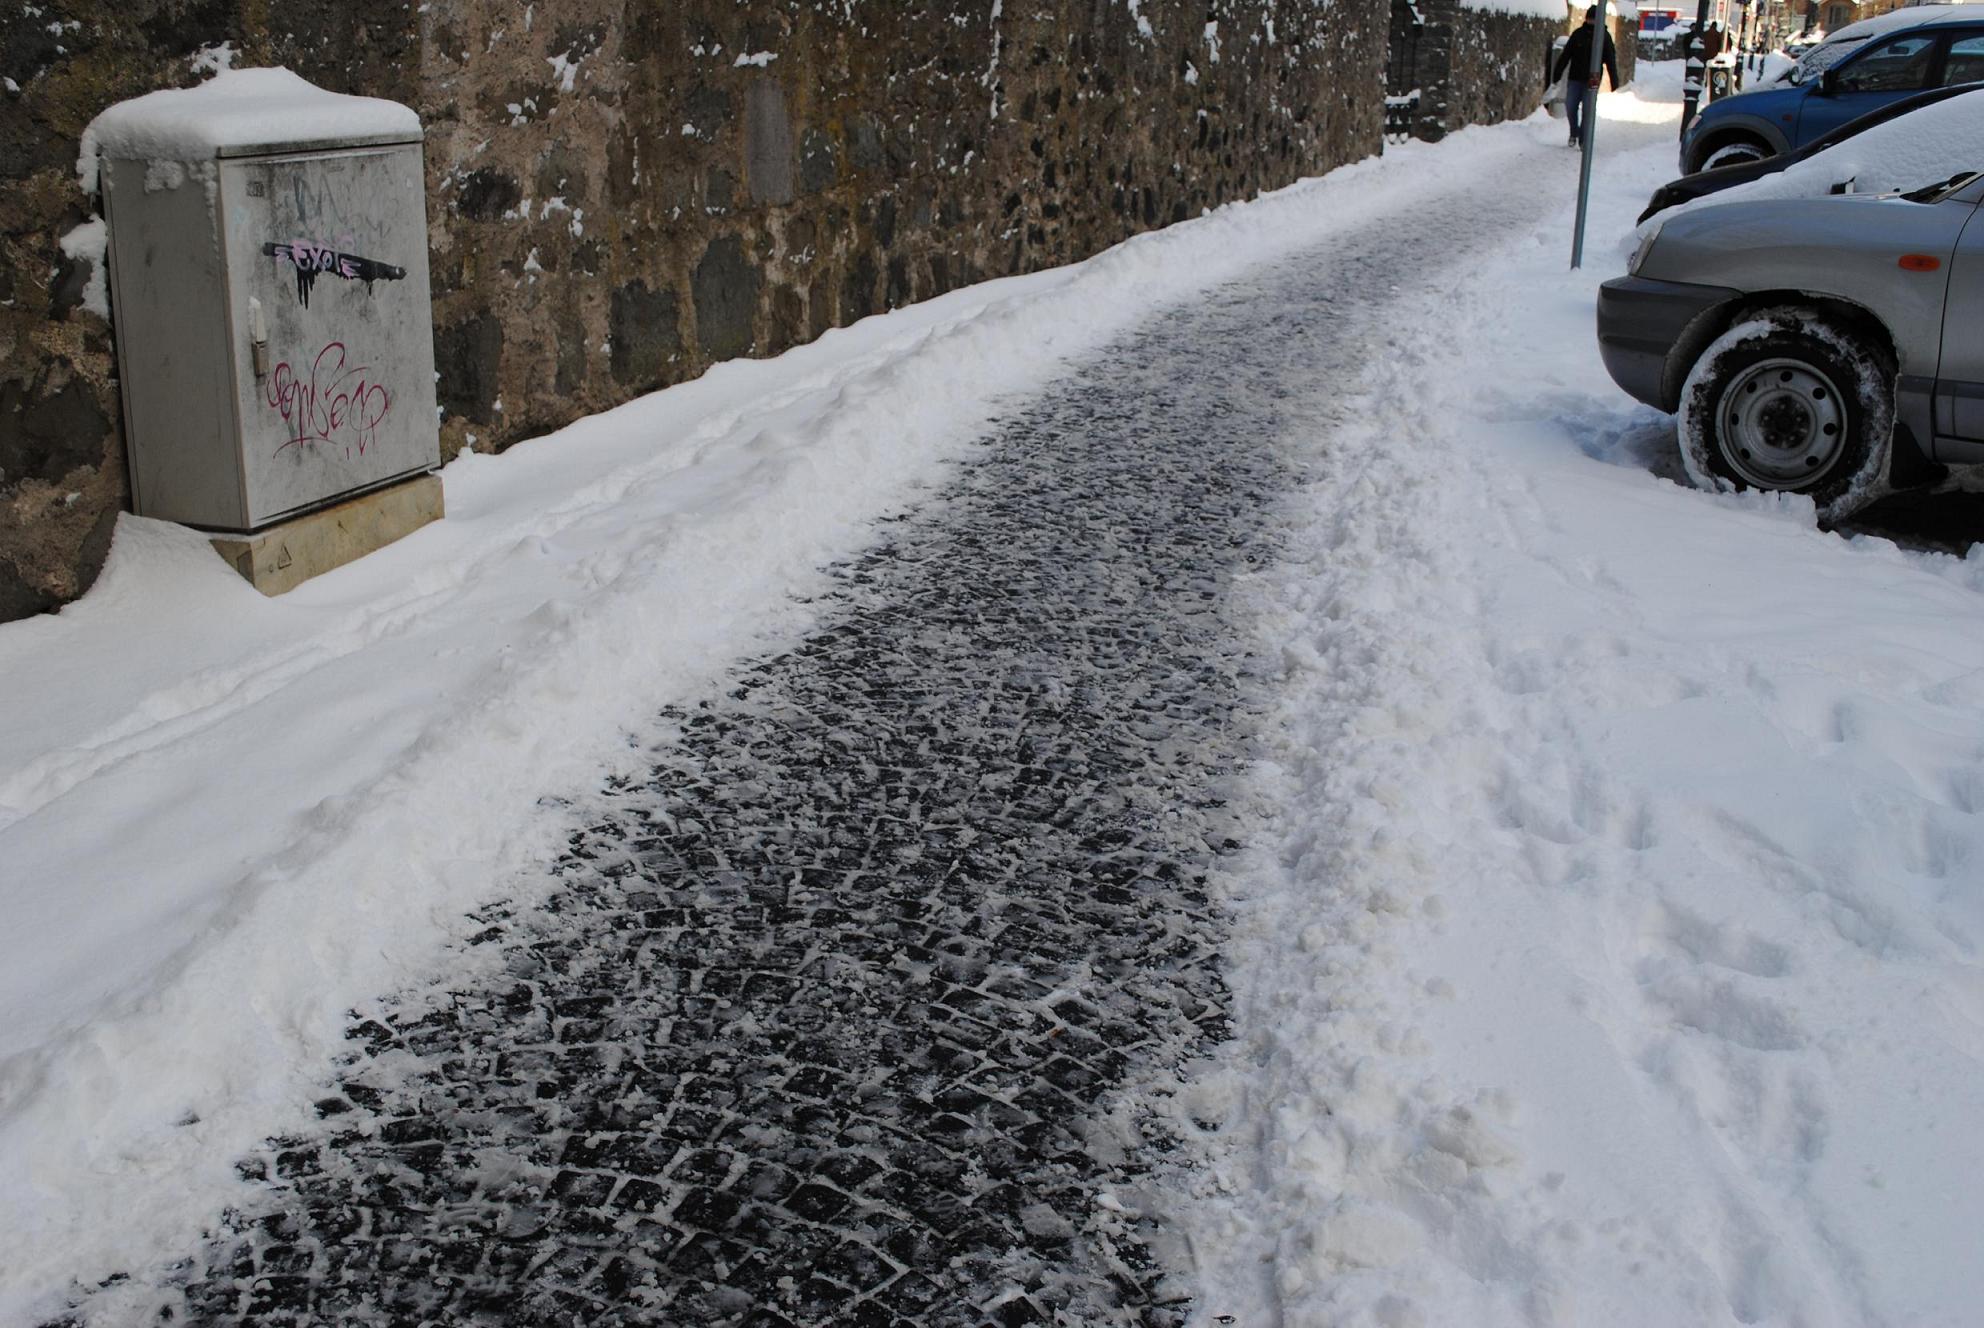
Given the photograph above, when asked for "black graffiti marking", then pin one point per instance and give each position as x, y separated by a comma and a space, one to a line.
314, 260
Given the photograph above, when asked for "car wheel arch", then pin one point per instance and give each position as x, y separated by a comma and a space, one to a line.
1735, 150
1712, 323
1728, 138
1787, 400
1743, 128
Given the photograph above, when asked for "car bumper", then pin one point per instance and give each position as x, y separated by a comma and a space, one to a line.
1640, 322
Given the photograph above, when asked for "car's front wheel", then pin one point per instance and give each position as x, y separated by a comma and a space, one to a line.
1786, 400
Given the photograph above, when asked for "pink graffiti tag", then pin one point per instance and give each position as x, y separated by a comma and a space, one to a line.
339, 405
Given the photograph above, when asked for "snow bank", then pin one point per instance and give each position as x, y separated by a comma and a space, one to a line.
1618, 960
236, 108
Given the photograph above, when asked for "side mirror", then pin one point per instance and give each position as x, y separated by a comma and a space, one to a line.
1829, 83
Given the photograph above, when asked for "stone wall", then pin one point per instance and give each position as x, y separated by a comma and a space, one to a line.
1499, 67
622, 192
1476, 66
1626, 36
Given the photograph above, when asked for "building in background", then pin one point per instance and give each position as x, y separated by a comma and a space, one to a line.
1832, 15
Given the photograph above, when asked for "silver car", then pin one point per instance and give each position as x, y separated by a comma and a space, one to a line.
1831, 346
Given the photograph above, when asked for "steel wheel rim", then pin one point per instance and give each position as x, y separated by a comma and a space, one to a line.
1783, 424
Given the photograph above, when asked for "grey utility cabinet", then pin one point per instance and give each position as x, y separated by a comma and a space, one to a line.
274, 329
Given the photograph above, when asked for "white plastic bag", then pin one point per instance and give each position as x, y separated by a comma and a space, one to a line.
1553, 97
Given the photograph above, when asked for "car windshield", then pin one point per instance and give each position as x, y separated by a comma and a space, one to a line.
1823, 57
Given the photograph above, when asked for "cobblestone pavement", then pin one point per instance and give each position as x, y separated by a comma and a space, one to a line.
854, 1010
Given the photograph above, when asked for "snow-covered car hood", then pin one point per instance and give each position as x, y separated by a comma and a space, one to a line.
1916, 149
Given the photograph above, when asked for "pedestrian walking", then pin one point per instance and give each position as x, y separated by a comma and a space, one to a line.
1575, 59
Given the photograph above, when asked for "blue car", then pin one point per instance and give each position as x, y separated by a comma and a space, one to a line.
1943, 49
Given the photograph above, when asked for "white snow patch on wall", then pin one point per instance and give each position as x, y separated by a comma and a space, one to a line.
90, 242
216, 59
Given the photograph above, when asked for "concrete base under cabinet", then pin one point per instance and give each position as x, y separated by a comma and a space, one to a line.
284, 556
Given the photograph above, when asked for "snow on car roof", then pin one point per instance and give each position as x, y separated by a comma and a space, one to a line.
1907, 18
1850, 38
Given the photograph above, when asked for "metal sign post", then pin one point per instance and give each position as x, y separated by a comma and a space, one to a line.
1590, 121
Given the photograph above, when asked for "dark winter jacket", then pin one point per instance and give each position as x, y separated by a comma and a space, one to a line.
1576, 56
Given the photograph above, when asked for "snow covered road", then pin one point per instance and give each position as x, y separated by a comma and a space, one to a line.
1224, 784
825, 1016
860, 1005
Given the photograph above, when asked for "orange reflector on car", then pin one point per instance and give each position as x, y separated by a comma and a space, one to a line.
1921, 263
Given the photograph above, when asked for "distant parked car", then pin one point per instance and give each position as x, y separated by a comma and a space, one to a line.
1828, 345
1703, 183
1859, 69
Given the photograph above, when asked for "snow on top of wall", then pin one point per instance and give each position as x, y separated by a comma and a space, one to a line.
235, 109
1551, 9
